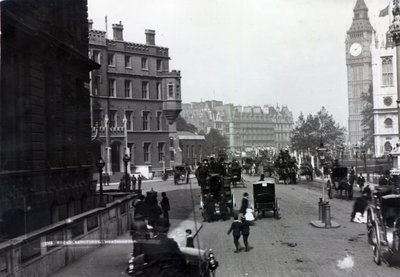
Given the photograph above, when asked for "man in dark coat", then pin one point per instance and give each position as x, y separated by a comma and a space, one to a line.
133, 182
165, 205
235, 229
201, 174
209, 207
245, 203
245, 230
139, 180
140, 206
360, 182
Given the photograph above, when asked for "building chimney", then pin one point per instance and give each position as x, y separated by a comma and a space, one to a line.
117, 31
150, 34
90, 23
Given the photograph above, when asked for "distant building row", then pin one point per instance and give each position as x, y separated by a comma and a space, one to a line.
244, 126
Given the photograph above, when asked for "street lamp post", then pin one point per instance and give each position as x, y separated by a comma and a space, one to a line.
356, 147
321, 154
394, 30
126, 160
100, 164
341, 148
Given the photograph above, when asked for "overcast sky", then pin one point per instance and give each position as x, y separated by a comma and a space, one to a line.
248, 52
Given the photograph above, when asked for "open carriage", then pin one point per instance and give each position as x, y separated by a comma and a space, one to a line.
265, 199
383, 225
338, 181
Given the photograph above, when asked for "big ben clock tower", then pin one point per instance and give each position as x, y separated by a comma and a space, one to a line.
359, 71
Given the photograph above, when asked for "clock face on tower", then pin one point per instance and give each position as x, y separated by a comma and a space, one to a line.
355, 49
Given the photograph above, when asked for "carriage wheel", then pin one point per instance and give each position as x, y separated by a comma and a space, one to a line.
370, 229
376, 246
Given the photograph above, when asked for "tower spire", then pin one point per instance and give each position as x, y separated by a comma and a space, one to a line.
360, 5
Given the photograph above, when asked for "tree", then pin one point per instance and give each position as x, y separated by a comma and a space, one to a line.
215, 144
182, 125
368, 119
309, 132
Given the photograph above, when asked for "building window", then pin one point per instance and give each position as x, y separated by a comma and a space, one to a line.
159, 121
128, 88
95, 85
111, 60
145, 90
388, 123
113, 119
146, 121
171, 142
146, 152
388, 146
128, 63
387, 71
172, 155
159, 65
96, 56
144, 63
111, 87
161, 153
193, 152
97, 117
159, 91
178, 88
170, 90
128, 115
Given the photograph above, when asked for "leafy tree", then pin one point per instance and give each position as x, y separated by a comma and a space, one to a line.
215, 144
182, 125
310, 131
368, 119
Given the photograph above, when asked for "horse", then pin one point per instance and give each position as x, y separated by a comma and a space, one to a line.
345, 186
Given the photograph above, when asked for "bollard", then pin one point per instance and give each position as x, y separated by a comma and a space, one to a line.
323, 218
320, 209
327, 215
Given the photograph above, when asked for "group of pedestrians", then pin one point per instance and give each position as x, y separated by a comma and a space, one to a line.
148, 209
242, 227
126, 186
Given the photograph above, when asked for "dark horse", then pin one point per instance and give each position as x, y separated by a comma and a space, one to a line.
344, 185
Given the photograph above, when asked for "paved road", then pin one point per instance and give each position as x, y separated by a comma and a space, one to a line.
291, 246
286, 247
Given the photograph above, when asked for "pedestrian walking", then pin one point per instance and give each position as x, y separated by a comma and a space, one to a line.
360, 182
235, 230
189, 238
245, 203
121, 185
245, 230
133, 182
165, 205
139, 180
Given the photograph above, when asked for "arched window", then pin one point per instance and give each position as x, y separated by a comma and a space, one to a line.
388, 146
388, 123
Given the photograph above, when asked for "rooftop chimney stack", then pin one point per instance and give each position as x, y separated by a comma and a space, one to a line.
150, 34
118, 31
90, 23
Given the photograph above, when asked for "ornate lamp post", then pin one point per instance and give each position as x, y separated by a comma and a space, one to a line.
100, 164
321, 154
356, 148
126, 159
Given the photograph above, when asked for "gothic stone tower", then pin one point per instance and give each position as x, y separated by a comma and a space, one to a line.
359, 72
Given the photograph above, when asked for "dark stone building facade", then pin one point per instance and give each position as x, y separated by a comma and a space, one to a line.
45, 163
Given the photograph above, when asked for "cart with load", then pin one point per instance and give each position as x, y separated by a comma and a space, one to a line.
265, 199
383, 225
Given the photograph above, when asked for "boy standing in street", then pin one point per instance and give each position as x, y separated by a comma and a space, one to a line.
245, 230
165, 205
235, 229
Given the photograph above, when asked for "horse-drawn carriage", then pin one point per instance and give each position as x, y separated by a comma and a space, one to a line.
179, 174
383, 224
286, 168
338, 181
216, 196
265, 199
235, 173
306, 170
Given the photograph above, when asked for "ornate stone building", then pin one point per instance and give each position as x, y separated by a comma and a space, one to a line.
45, 166
359, 73
135, 102
253, 127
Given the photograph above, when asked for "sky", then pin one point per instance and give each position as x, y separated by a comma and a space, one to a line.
248, 52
